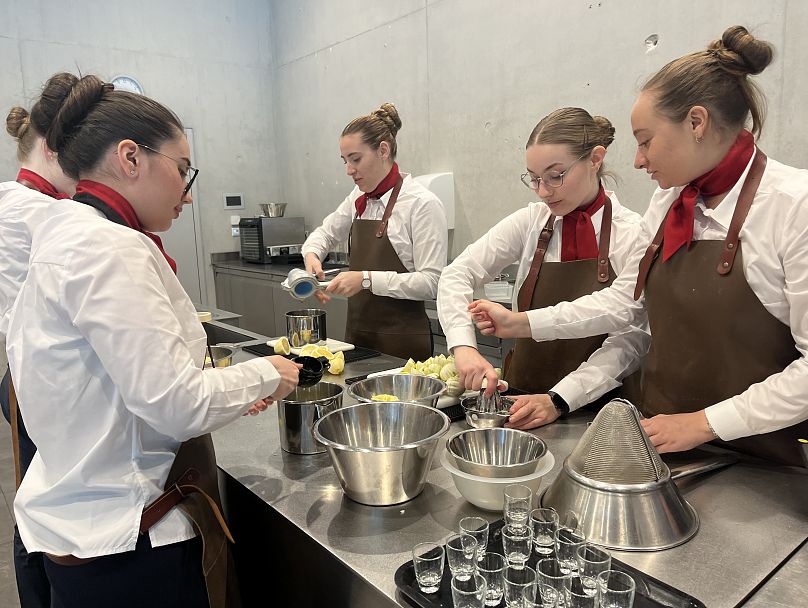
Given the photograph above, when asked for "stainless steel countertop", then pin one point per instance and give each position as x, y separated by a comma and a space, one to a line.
754, 519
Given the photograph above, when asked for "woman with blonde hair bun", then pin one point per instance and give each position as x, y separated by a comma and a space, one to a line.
721, 266
572, 242
398, 240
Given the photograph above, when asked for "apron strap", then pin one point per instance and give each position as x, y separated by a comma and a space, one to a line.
526, 291
648, 259
15, 433
603, 245
388, 210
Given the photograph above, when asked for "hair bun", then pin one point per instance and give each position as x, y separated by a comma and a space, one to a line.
389, 115
17, 122
742, 51
605, 133
79, 101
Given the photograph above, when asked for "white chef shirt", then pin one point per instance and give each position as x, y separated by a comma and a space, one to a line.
21, 210
774, 239
416, 229
515, 238
105, 349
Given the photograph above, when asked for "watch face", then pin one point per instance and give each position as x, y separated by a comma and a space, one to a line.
127, 83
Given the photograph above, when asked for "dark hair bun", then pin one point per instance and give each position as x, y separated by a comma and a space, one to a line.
17, 122
78, 102
605, 131
389, 115
740, 51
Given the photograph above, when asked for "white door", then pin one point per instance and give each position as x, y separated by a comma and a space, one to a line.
183, 243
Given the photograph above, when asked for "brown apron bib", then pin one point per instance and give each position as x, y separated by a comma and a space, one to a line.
392, 326
536, 367
711, 336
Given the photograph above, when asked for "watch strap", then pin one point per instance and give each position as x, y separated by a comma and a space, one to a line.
561, 406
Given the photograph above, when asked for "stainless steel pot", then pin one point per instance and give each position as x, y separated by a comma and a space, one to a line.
222, 357
273, 209
300, 410
305, 326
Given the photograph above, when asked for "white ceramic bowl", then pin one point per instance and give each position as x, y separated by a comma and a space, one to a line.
488, 492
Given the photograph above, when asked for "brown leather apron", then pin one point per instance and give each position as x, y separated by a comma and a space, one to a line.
393, 326
711, 337
536, 367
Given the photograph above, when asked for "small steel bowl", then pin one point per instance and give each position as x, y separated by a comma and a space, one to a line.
222, 356
485, 420
496, 452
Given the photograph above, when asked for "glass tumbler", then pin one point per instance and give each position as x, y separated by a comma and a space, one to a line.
517, 506
567, 542
544, 523
461, 553
428, 560
549, 572
516, 580
468, 593
517, 543
491, 567
615, 589
592, 560
478, 528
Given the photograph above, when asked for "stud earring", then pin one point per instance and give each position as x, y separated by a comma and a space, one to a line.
132, 172
698, 139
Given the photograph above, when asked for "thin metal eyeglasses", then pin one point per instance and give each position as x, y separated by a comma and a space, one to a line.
190, 172
551, 179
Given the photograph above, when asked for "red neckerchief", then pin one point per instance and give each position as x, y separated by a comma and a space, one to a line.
578, 234
386, 184
123, 208
32, 180
679, 223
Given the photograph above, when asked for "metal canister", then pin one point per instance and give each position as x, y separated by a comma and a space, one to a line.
298, 412
305, 326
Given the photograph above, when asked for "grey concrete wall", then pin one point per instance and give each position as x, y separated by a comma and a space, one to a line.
472, 77
208, 60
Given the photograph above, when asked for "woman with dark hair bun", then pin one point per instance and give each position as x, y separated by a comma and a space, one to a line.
721, 268
107, 353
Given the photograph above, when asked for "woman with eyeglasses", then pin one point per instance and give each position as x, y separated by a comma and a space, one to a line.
722, 264
573, 242
23, 205
106, 352
398, 240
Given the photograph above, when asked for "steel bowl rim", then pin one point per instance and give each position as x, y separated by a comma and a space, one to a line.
500, 467
541, 470
346, 448
370, 400
314, 401
467, 409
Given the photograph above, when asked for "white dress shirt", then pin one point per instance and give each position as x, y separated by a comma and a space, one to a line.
416, 229
515, 239
774, 241
105, 349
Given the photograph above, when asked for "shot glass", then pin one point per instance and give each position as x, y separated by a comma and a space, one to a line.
468, 593
461, 552
577, 596
544, 523
491, 567
478, 528
428, 559
517, 505
567, 542
516, 581
592, 560
517, 542
616, 589
549, 573
540, 596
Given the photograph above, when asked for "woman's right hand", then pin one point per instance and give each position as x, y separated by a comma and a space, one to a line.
289, 372
472, 368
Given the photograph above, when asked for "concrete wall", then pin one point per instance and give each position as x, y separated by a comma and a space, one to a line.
208, 60
472, 77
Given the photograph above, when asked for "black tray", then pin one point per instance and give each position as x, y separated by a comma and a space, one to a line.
651, 593
355, 354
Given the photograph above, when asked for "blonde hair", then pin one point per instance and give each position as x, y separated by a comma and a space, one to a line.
575, 128
378, 126
718, 79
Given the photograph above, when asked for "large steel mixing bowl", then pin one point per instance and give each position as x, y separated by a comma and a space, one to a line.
496, 452
382, 451
406, 387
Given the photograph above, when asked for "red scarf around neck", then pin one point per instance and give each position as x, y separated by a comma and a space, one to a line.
124, 209
578, 233
386, 184
32, 180
679, 223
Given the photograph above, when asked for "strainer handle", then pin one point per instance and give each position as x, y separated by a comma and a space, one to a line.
713, 464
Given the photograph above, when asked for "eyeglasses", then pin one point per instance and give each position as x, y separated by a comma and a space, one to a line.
188, 174
551, 179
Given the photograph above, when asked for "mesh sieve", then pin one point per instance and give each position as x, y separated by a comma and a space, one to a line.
615, 448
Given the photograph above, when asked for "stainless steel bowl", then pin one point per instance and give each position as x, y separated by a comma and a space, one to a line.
478, 419
382, 451
300, 409
305, 326
496, 452
406, 387
222, 357
273, 209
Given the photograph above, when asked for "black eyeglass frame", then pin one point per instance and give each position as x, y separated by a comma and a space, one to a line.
192, 170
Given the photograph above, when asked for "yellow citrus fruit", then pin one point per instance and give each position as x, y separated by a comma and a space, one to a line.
384, 397
337, 362
281, 346
309, 350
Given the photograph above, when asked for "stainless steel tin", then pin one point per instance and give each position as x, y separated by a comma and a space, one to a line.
300, 410
222, 356
382, 451
496, 452
305, 326
273, 209
407, 387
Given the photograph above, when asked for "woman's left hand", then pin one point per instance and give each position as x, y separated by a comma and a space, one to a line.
258, 407
678, 432
346, 284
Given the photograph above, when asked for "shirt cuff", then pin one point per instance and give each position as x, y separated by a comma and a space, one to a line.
726, 421
380, 282
542, 325
270, 378
306, 249
460, 336
571, 391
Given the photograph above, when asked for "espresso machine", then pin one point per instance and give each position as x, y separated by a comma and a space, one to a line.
272, 240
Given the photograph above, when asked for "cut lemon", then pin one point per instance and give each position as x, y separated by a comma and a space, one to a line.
309, 350
282, 347
384, 397
337, 363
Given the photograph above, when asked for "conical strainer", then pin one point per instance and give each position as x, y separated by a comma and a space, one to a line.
617, 484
